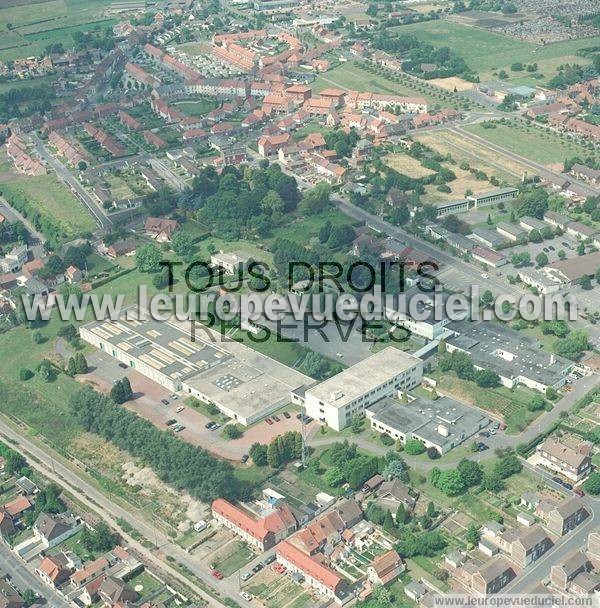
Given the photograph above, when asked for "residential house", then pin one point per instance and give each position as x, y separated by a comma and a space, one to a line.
73, 275
9, 597
54, 570
566, 516
563, 572
317, 574
231, 262
392, 494
492, 576
115, 592
160, 228
51, 529
574, 462
262, 533
385, 568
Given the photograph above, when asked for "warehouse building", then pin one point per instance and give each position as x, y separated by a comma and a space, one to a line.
350, 392
441, 423
516, 358
244, 384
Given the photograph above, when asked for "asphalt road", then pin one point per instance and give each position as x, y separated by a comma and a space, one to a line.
66, 176
23, 578
472, 272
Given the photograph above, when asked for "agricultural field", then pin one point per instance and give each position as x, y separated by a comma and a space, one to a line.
51, 198
25, 31
488, 52
531, 143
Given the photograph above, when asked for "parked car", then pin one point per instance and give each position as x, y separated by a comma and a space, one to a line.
276, 418
286, 415
269, 560
482, 447
579, 492
567, 485
218, 575
557, 480
257, 568
171, 422
180, 409
164, 401
247, 575
174, 396
123, 365
268, 421
245, 458
299, 416
484, 434
209, 425
502, 426
246, 595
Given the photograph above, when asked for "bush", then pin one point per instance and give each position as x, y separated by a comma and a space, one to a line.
387, 440
233, 431
414, 447
433, 453
25, 374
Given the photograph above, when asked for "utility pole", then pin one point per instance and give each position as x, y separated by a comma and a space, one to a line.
304, 446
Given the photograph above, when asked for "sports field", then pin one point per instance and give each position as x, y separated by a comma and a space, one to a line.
486, 52
26, 28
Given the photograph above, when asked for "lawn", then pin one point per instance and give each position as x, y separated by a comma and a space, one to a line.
52, 199
487, 52
407, 165
198, 107
530, 143
235, 557
350, 76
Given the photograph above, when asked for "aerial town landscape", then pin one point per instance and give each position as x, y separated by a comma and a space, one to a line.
299, 151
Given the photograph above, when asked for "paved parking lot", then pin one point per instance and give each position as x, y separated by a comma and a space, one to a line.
147, 403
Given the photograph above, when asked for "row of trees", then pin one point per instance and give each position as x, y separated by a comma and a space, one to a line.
462, 365
282, 449
176, 462
468, 474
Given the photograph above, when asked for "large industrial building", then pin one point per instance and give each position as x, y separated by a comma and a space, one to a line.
244, 384
516, 358
336, 400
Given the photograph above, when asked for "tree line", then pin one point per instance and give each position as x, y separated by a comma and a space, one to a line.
180, 464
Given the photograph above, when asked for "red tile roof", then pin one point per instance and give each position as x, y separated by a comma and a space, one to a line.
310, 566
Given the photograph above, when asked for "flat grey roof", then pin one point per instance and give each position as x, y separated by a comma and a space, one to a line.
363, 377
227, 372
423, 417
483, 340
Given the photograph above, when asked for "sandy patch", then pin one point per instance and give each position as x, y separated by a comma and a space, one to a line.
453, 82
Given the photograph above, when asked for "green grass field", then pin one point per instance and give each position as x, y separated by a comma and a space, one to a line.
198, 107
350, 76
531, 143
53, 199
486, 52
26, 30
